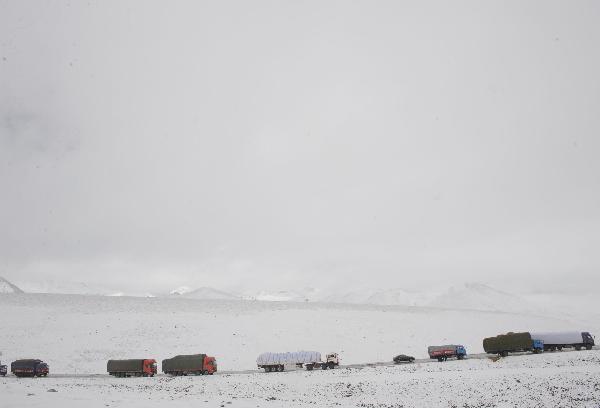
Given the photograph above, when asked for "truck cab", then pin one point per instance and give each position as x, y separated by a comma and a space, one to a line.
42, 370
150, 367
588, 340
210, 365
538, 346
332, 360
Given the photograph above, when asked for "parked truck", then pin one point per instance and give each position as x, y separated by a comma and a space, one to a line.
558, 340
193, 364
512, 343
29, 368
3, 369
310, 360
132, 368
443, 353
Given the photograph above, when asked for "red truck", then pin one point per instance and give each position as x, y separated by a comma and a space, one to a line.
194, 364
443, 353
132, 368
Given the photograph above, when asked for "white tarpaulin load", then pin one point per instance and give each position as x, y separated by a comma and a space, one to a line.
560, 338
298, 357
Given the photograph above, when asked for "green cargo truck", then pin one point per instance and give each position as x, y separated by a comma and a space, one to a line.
132, 367
512, 343
193, 364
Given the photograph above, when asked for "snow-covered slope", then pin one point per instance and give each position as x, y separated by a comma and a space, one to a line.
478, 296
566, 380
64, 287
209, 293
81, 332
7, 287
397, 296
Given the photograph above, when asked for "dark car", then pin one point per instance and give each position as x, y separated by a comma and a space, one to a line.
403, 358
3, 370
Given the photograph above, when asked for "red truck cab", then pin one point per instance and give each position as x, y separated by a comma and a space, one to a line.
150, 367
210, 365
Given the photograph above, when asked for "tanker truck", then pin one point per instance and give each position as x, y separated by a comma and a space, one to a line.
132, 368
443, 353
272, 362
558, 340
193, 364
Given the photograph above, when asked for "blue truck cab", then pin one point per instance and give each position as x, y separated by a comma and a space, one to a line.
461, 351
538, 346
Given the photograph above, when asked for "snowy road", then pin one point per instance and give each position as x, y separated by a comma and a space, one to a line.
567, 379
477, 356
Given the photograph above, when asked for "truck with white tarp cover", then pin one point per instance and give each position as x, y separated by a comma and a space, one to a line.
271, 362
567, 339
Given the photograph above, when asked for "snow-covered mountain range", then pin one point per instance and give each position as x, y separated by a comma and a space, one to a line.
472, 296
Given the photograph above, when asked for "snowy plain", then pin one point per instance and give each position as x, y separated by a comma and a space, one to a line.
77, 334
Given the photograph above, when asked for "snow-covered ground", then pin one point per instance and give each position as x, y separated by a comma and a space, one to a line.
566, 379
77, 334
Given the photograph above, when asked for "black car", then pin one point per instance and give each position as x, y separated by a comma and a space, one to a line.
403, 358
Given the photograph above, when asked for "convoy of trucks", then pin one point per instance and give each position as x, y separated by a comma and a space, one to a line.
29, 368
272, 362
202, 364
194, 364
132, 368
443, 353
512, 343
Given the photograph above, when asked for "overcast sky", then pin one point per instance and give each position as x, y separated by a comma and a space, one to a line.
237, 144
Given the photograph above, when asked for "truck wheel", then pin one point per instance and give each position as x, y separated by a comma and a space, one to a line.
588, 346
331, 365
440, 359
324, 366
281, 368
577, 348
309, 367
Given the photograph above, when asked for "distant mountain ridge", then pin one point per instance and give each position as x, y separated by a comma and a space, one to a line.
470, 296
205, 293
7, 287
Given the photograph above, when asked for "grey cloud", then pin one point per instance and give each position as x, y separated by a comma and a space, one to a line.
388, 144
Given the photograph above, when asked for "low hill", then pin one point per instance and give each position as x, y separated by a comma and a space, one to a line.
477, 296
7, 287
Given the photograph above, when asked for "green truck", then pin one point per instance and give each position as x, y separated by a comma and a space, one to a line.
512, 343
192, 364
132, 367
